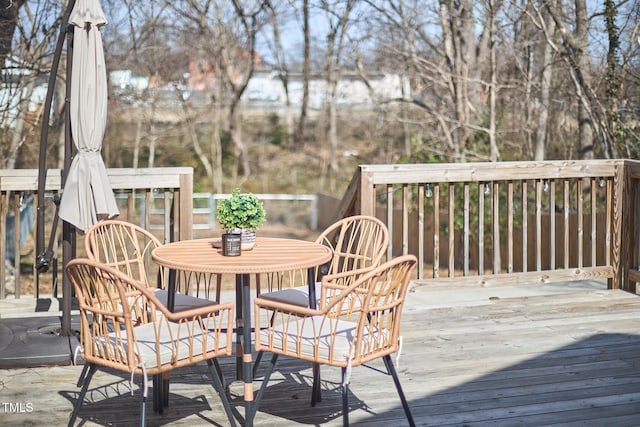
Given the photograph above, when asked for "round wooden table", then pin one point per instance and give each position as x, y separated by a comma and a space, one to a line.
268, 256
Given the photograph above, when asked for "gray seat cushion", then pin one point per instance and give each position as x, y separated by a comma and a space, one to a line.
183, 302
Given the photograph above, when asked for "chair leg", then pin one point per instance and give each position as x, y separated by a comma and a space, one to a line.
316, 391
396, 381
143, 410
265, 380
256, 363
218, 287
216, 365
218, 385
158, 399
345, 398
165, 390
86, 379
82, 375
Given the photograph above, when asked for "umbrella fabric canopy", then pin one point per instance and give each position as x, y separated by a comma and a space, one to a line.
88, 195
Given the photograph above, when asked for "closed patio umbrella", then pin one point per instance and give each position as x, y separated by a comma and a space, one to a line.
87, 195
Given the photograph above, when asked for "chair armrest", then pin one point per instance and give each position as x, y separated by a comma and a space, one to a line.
338, 294
268, 304
190, 314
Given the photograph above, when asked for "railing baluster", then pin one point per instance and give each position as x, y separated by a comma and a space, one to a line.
593, 187
421, 251
148, 206
510, 226
567, 211
467, 230
495, 235
609, 221
452, 231
525, 228
436, 230
405, 219
390, 219
131, 205
3, 250
16, 244
481, 195
168, 199
538, 239
580, 203
552, 224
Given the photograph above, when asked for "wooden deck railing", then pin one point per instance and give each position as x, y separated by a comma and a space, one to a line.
136, 190
508, 222
473, 224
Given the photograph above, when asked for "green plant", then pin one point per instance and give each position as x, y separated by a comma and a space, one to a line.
240, 211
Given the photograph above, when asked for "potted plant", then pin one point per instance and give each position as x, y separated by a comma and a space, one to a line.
241, 213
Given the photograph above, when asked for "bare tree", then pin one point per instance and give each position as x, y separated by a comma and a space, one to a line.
338, 15
282, 67
30, 49
629, 80
492, 9
226, 36
573, 47
448, 65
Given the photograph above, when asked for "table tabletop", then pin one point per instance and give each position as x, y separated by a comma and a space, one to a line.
268, 255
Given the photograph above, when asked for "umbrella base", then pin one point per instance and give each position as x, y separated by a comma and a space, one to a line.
27, 342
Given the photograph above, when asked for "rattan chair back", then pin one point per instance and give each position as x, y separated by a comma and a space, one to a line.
126, 247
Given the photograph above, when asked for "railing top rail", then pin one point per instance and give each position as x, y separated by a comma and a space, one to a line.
488, 171
263, 196
119, 178
147, 178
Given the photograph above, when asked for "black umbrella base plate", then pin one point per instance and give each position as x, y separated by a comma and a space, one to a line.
28, 342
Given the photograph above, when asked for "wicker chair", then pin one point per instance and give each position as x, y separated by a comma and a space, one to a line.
351, 327
358, 242
127, 248
124, 326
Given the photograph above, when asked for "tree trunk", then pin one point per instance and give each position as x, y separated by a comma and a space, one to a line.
136, 142
585, 124
19, 130
283, 75
458, 28
333, 134
235, 132
612, 79
306, 70
216, 143
540, 149
8, 24
193, 135
493, 87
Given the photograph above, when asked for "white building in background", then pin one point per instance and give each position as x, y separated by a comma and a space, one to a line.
120, 79
123, 80
266, 88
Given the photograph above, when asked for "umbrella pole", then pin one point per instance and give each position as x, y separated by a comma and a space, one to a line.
44, 258
68, 230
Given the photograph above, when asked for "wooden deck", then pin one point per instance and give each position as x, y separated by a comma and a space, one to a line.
504, 356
